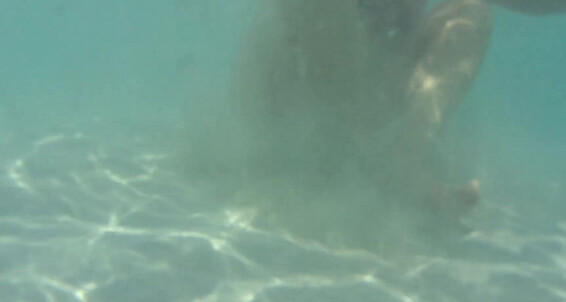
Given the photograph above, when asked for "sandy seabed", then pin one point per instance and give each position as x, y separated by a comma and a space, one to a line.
98, 213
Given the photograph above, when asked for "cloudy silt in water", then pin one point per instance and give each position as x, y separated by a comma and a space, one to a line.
282, 150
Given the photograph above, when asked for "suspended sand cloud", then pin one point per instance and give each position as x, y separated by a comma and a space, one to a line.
94, 208
337, 119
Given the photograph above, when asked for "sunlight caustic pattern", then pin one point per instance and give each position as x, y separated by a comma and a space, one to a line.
84, 219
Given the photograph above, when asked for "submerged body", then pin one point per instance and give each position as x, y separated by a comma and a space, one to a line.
328, 78
343, 107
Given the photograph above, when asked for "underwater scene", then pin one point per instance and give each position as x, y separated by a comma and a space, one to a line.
283, 150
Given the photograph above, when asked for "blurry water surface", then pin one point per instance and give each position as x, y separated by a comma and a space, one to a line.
103, 102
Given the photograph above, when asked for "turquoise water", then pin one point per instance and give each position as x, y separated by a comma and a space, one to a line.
104, 104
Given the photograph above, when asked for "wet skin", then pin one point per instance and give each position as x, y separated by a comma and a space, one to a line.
341, 96
341, 104
317, 87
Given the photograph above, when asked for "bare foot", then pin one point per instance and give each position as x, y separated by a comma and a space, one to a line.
455, 201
